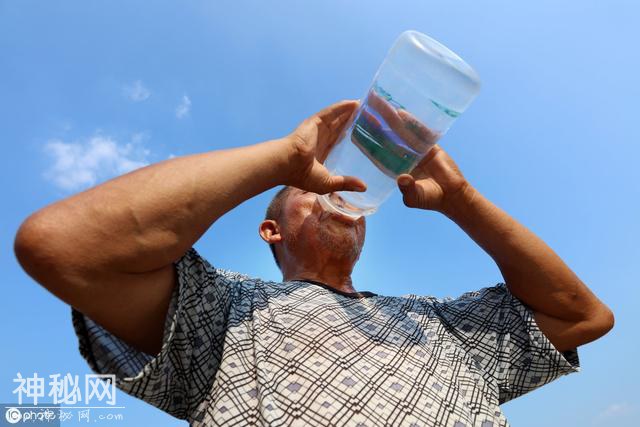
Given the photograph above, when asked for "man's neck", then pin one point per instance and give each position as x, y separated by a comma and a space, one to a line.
330, 275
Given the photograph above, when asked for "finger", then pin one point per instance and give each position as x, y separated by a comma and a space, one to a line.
334, 134
396, 121
421, 167
345, 183
370, 118
334, 111
339, 122
409, 190
386, 110
405, 180
406, 125
326, 144
307, 132
422, 132
336, 127
324, 148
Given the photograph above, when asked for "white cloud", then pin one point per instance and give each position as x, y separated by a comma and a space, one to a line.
136, 91
79, 165
182, 110
616, 411
140, 137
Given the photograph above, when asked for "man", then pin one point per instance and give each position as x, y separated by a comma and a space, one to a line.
216, 347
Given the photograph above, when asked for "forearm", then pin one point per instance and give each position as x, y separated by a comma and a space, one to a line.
148, 218
534, 273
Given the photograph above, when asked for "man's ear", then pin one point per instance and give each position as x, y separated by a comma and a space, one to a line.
270, 231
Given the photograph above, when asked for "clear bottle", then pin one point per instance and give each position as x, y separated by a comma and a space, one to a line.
416, 94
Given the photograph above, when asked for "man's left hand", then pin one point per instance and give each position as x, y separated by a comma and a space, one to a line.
436, 183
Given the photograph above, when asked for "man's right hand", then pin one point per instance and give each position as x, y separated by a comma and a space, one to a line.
145, 220
310, 145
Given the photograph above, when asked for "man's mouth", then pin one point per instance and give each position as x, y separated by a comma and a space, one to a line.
342, 218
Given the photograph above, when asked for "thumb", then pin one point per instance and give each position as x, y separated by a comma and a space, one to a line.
344, 183
409, 190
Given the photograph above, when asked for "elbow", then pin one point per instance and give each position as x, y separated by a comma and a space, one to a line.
25, 242
31, 246
603, 322
44, 252
610, 320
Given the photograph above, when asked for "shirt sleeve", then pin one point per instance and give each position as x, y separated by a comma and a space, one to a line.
180, 375
503, 340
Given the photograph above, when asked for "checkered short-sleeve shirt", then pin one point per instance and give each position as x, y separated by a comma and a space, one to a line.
244, 351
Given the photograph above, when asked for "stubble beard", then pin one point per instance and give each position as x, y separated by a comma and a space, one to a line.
340, 243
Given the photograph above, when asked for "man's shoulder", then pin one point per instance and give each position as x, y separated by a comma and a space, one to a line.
194, 263
488, 292
483, 294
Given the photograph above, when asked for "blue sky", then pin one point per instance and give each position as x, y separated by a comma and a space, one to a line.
91, 91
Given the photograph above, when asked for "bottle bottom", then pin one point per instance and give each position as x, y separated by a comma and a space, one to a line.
334, 203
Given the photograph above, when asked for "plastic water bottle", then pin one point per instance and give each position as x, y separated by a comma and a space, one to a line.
417, 93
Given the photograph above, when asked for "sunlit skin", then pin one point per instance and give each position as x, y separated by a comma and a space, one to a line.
145, 220
564, 308
313, 243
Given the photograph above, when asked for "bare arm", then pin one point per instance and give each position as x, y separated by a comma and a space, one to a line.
566, 310
564, 307
108, 251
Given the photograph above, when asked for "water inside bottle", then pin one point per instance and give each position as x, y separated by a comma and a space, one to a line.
384, 141
381, 144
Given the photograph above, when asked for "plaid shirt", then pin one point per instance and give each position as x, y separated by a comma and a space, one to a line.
243, 351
